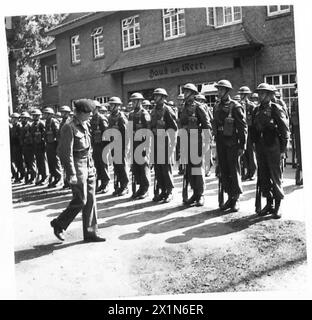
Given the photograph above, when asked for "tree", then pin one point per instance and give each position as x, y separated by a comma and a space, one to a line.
29, 38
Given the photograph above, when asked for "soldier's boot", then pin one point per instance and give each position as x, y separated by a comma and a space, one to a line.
168, 196
159, 197
200, 201
50, 181
32, 179
58, 231
191, 200
66, 185
235, 204
143, 194
268, 209
43, 180
102, 187
26, 178
276, 214
227, 204
123, 191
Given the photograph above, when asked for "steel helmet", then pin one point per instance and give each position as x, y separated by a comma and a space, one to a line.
200, 97
36, 112
115, 100
190, 86
58, 114
170, 103
65, 109
102, 108
277, 93
244, 89
224, 84
15, 115
48, 110
136, 96
97, 103
180, 96
265, 87
25, 114
254, 95
160, 91
146, 103
236, 97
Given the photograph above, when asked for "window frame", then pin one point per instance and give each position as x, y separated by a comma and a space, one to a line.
127, 29
165, 16
74, 46
214, 24
97, 36
278, 12
102, 99
51, 78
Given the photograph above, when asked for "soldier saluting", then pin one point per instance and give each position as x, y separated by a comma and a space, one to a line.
195, 120
141, 120
270, 132
230, 130
162, 119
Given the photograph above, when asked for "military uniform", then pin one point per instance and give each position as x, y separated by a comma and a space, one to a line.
163, 117
16, 151
51, 133
270, 133
98, 124
141, 120
194, 116
75, 152
229, 142
296, 135
38, 134
249, 157
26, 141
119, 121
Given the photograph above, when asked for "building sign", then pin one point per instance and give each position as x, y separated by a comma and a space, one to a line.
176, 69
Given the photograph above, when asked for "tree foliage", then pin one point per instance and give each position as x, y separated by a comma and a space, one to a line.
30, 38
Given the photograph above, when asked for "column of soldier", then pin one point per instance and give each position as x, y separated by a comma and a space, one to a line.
251, 134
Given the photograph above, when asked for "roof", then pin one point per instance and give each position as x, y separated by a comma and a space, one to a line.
48, 51
204, 43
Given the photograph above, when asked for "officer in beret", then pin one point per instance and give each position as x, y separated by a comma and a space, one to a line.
98, 124
270, 133
75, 152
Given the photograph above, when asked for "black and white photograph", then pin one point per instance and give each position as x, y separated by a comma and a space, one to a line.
153, 151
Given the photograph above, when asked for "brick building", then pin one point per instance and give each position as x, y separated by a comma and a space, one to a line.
103, 54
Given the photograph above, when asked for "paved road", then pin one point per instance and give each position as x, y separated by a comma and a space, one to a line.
46, 268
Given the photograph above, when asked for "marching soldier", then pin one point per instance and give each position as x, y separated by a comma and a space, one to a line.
208, 155
254, 98
163, 118
180, 104
296, 134
119, 121
26, 141
230, 130
249, 158
51, 133
146, 105
270, 132
16, 148
65, 114
140, 172
194, 118
99, 124
75, 152
38, 133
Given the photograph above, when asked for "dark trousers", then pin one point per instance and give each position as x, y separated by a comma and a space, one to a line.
121, 174
141, 174
296, 131
164, 178
41, 159
269, 170
83, 200
54, 163
100, 165
17, 159
196, 178
249, 158
229, 166
30, 161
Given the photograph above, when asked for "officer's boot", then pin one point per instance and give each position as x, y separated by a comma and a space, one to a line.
227, 204
200, 201
235, 203
168, 197
268, 209
276, 211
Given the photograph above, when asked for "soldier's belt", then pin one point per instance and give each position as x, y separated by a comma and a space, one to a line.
81, 153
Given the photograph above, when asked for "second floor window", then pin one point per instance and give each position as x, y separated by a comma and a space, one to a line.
223, 16
130, 32
51, 74
98, 42
174, 23
75, 49
274, 10
102, 99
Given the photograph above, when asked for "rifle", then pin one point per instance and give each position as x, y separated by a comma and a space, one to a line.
258, 196
185, 184
220, 191
115, 181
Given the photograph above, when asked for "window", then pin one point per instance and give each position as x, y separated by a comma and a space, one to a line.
130, 33
98, 42
102, 99
285, 83
174, 23
75, 49
275, 10
51, 74
223, 16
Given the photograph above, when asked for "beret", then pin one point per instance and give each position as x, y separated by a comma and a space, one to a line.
85, 105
